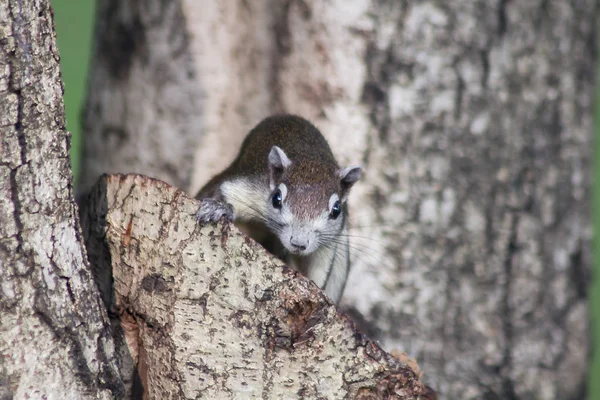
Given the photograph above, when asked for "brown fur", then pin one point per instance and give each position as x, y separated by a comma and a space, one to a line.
300, 140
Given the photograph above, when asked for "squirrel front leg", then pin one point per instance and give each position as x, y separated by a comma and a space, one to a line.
212, 210
239, 200
213, 205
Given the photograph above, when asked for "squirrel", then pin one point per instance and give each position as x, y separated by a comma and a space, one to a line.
287, 192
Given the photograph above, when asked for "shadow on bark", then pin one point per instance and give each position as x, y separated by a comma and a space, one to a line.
93, 208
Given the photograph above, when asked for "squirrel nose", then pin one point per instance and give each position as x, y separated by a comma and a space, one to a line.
299, 244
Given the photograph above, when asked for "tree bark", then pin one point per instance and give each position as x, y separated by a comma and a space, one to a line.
472, 119
55, 341
152, 129
209, 313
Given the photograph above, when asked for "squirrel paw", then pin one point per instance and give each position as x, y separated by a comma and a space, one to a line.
212, 210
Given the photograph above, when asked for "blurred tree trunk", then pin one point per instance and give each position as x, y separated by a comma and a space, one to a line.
55, 341
473, 120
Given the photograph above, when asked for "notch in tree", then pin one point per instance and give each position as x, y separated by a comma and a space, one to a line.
473, 122
56, 338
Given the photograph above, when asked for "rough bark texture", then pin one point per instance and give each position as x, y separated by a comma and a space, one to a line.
473, 121
55, 341
206, 312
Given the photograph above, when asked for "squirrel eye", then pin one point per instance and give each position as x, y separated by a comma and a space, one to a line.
335, 210
276, 199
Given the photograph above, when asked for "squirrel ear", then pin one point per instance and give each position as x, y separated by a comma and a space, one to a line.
349, 176
278, 163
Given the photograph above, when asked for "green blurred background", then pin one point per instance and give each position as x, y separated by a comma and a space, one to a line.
74, 20
74, 23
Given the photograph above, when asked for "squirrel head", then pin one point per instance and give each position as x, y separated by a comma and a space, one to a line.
307, 204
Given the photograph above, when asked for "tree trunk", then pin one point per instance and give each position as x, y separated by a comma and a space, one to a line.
472, 119
55, 341
152, 129
213, 315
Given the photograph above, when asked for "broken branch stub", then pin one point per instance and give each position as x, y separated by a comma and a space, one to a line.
207, 311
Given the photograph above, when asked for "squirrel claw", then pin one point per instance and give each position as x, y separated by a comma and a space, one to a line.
212, 210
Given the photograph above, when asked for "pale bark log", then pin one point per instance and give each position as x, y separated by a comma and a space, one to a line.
206, 312
473, 121
55, 342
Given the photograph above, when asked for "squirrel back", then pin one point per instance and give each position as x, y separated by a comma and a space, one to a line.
297, 137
